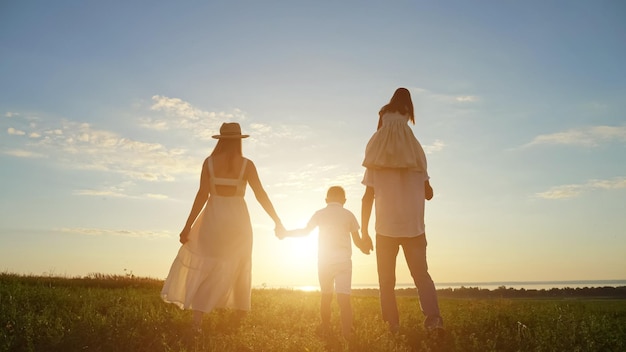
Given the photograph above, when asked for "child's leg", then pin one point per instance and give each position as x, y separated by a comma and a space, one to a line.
326, 286
345, 308
327, 298
343, 283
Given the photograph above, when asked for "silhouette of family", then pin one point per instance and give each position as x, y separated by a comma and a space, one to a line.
212, 268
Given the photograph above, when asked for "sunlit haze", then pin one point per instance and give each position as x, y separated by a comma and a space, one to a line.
107, 110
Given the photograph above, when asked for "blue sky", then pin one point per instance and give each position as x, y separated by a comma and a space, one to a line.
107, 108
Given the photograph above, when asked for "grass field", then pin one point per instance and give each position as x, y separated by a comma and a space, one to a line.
117, 313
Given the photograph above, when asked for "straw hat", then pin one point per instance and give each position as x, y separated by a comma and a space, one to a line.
230, 130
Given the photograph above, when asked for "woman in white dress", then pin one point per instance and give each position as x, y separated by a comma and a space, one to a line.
212, 268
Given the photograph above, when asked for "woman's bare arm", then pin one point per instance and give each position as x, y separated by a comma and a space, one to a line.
201, 197
260, 194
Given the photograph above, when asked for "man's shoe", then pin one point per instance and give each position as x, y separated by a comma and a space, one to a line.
434, 324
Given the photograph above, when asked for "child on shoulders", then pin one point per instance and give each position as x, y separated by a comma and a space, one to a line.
393, 145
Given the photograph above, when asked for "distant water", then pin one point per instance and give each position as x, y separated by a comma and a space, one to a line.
528, 285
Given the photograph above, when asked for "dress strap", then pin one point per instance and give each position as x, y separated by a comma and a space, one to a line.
238, 183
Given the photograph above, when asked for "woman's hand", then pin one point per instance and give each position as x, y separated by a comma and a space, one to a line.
184, 236
279, 230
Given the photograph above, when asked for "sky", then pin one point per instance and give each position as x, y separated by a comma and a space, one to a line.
107, 110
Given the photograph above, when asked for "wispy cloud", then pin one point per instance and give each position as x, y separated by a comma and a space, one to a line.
562, 192
178, 107
109, 232
466, 98
310, 174
21, 153
123, 190
15, 132
178, 114
574, 190
101, 193
81, 146
347, 180
319, 178
437, 146
446, 98
265, 134
182, 115
156, 196
114, 194
586, 137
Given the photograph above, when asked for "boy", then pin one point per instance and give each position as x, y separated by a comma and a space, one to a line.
336, 225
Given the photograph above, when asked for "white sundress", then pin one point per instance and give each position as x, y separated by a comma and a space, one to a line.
394, 146
213, 269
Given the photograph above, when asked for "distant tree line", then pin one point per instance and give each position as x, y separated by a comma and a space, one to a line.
130, 280
509, 292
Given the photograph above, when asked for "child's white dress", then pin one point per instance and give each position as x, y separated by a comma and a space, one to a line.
213, 269
394, 146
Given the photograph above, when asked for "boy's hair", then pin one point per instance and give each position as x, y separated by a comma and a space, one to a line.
336, 192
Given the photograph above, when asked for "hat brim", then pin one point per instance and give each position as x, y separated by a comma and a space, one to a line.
220, 136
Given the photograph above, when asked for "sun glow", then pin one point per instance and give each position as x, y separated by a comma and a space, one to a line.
296, 260
303, 249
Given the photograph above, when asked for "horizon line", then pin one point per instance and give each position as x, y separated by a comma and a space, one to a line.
465, 283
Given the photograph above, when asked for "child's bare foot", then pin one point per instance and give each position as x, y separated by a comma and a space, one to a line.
323, 330
348, 333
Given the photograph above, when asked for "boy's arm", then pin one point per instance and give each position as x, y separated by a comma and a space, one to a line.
359, 242
296, 232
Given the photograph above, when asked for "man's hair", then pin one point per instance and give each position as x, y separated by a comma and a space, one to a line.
336, 192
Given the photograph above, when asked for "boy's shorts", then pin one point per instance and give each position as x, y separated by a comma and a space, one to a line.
338, 273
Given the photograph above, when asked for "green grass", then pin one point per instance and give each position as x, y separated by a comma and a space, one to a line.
121, 313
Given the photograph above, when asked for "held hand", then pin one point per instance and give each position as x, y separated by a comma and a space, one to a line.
280, 233
366, 244
280, 230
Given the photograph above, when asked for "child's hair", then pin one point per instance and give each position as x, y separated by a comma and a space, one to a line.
336, 193
400, 102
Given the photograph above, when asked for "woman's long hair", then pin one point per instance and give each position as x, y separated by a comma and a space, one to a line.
230, 147
401, 103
